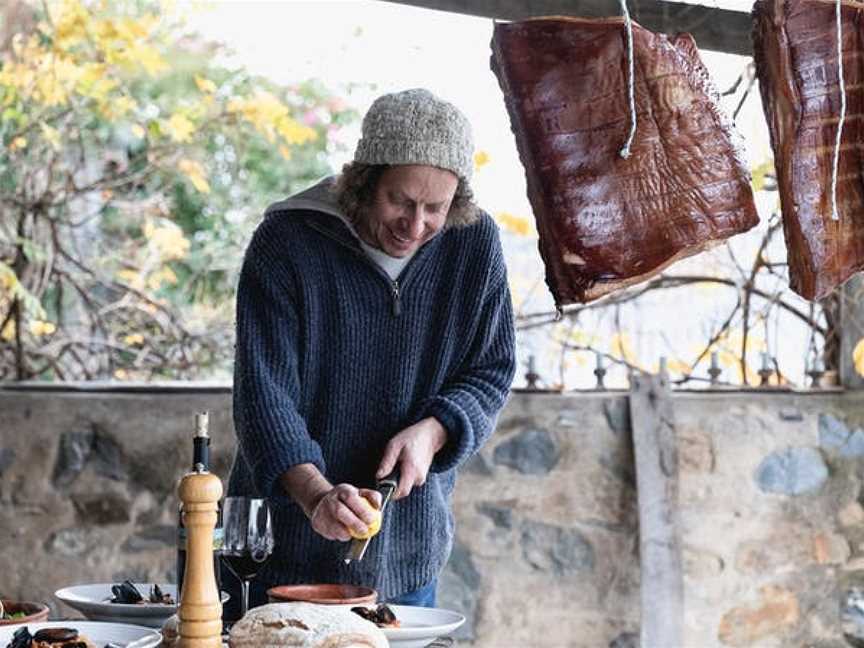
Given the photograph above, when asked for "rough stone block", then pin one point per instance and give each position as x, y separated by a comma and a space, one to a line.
700, 563
830, 549
794, 471
75, 448
835, 435
617, 413
851, 515
7, 458
101, 508
532, 452
777, 611
555, 549
695, 452
459, 589
790, 414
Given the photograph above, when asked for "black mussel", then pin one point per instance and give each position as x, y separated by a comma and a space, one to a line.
126, 592
56, 635
158, 596
385, 615
21, 639
366, 613
381, 616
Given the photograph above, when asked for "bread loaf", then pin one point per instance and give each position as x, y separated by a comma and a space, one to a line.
304, 625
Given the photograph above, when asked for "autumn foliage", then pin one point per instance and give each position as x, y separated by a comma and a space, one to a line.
132, 169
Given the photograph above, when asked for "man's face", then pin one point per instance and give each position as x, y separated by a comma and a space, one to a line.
409, 207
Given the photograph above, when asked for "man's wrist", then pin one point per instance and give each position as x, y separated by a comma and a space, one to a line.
306, 485
439, 433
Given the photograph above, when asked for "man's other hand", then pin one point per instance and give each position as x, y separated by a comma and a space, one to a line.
413, 450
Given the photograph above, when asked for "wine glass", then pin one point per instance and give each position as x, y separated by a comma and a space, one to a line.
247, 540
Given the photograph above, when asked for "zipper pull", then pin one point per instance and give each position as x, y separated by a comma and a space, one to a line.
397, 303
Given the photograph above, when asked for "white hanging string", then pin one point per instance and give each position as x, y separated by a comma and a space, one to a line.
631, 84
836, 162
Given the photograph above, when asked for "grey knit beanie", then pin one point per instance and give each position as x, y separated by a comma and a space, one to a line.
416, 127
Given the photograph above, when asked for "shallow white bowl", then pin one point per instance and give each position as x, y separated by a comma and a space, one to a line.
131, 636
419, 626
93, 601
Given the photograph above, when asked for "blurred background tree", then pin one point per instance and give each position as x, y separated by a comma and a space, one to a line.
132, 171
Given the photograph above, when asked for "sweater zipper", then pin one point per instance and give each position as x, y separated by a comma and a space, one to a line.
395, 288
397, 302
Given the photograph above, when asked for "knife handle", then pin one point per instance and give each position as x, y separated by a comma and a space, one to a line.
390, 481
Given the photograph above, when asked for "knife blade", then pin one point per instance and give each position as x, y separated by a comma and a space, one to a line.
386, 486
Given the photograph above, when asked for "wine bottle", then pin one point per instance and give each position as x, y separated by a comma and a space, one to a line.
200, 463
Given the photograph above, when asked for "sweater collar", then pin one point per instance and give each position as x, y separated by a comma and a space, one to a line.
319, 210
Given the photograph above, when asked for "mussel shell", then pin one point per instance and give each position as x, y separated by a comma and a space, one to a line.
126, 592
21, 639
53, 635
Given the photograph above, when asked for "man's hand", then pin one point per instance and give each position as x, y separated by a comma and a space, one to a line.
413, 450
343, 507
330, 508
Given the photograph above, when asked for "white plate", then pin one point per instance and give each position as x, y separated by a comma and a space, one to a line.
93, 601
131, 636
419, 626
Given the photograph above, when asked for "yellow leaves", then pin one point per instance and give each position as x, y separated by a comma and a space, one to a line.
481, 159
39, 328
138, 131
759, 173
133, 339
71, 24
51, 135
858, 357
8, 332
18, 143
621, 347
131, 277
515, 224
168, 239
195, 172
164, 275
270, 117
677, 366
145, 56
118, 107
205, 85
180, 127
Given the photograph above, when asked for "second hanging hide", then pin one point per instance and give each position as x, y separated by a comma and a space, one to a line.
798, 63
606, 221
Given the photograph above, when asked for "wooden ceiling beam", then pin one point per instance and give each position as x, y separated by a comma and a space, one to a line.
720, 30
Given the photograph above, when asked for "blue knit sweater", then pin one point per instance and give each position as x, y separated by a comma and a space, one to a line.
333, 359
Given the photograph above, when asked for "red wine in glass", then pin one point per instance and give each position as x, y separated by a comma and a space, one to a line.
244, 565
247, 540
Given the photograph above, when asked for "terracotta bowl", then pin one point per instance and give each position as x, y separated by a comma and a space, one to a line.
323, 594
33, 612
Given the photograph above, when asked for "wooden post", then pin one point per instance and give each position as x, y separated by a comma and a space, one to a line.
655, 449
200, 608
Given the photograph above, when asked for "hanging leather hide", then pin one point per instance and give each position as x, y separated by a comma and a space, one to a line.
795, 48
606, 222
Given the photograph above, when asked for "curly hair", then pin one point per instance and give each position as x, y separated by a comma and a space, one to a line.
355, 191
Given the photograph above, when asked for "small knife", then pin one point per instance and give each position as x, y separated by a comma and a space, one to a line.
386, 487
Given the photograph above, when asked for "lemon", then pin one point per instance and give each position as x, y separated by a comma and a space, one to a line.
373, 528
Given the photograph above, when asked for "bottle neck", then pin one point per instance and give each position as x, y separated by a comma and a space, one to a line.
201, 454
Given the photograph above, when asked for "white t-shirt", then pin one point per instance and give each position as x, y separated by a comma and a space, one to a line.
393, 266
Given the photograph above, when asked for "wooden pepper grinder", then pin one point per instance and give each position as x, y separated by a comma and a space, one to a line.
200, 611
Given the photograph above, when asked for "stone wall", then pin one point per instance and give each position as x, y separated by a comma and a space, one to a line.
547, 544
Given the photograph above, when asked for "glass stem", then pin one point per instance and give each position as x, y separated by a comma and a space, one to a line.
244, 599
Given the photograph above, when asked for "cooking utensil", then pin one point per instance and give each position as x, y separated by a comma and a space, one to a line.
386, 487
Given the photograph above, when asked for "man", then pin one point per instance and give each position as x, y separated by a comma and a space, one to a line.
374, 332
